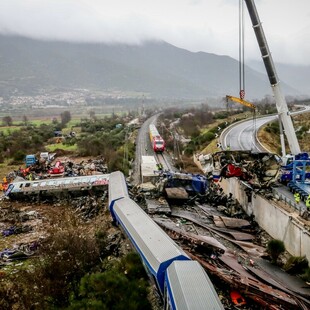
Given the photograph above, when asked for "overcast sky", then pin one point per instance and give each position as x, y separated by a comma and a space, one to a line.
196, 25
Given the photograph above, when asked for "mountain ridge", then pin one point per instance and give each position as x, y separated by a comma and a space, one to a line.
156, 68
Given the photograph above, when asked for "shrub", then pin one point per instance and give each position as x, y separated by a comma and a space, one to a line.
296, 265
306, 275
123, 286
275, 247
19, 156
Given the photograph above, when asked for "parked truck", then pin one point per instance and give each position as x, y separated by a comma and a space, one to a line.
31, 160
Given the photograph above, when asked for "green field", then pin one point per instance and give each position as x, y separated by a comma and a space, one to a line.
61, 146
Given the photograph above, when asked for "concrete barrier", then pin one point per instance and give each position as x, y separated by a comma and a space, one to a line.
276, 221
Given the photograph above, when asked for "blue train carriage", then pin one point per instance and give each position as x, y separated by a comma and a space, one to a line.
188, 287
156, 248
117, 188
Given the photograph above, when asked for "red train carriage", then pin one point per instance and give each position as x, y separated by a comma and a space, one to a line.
158, 143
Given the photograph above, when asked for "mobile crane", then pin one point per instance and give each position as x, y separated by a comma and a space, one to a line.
281, 104
297, 161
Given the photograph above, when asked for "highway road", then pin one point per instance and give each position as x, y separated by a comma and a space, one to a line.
243, 135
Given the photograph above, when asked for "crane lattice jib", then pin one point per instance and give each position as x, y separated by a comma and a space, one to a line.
241, 101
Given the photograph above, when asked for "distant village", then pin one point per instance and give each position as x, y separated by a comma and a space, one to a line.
67, 98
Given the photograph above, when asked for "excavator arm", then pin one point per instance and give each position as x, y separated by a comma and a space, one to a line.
241, 101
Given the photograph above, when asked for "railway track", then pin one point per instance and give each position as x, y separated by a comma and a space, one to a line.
162, 160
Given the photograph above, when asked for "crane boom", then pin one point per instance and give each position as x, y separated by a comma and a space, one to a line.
281, 104
241, 101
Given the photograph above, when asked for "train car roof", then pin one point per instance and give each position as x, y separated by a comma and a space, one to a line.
190, 288
153, 130
61, 183
157, 249
117, 186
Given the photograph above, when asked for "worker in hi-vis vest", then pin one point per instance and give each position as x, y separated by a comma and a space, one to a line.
308, 203
297, 198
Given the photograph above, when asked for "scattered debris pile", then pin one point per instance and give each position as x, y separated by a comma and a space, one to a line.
229, 251
66, 178
87, 207
213, 229
63, 168
260, 170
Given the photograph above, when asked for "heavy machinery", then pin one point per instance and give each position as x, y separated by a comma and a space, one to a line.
296, 175
282, 108
31, 160
295, 164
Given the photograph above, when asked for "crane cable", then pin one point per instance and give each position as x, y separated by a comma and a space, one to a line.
241, 51
241, 59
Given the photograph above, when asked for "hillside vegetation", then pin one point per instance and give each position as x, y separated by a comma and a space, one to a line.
158, 69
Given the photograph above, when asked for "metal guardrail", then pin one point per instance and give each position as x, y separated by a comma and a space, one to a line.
289, 201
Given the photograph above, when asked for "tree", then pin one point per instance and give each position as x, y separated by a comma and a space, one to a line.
25, 120
65, 118
92, 115
7, 120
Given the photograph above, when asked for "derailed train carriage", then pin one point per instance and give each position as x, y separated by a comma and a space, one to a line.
55, 187
167, 264
187, 286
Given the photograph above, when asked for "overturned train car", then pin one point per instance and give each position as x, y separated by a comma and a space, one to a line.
177, 277
58, 187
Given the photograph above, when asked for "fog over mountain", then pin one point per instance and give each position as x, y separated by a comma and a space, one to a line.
157, 69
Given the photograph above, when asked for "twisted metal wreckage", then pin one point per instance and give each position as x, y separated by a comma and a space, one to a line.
244, 270
259, 170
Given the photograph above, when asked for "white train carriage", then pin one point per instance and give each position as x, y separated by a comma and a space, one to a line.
55, 186
188, 287
117, 188
156, 248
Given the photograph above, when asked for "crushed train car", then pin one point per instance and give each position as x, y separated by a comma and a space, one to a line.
258, 169
177, 185
60, 187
